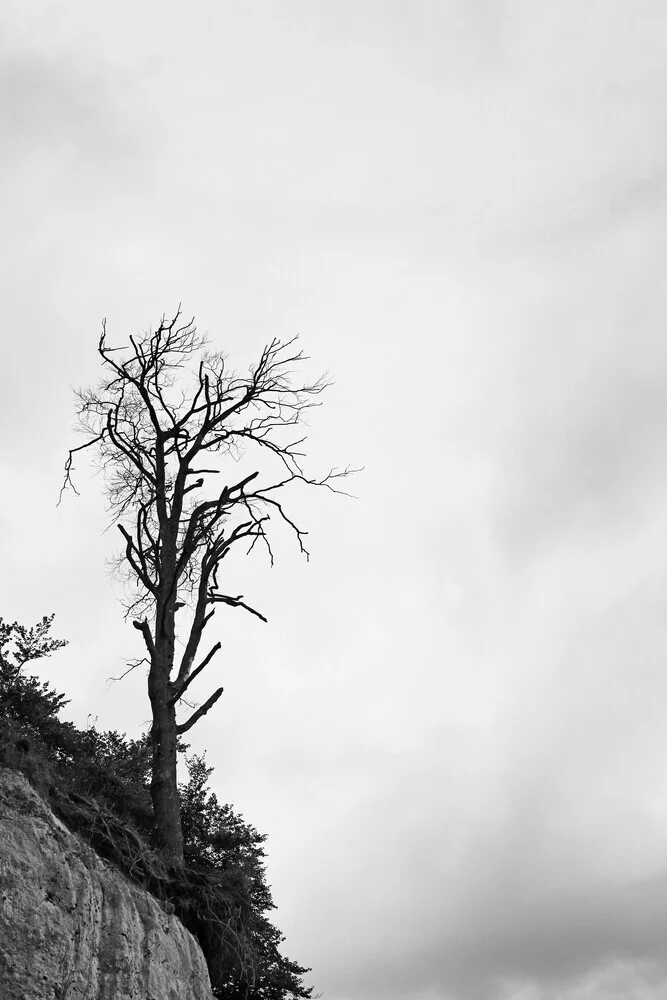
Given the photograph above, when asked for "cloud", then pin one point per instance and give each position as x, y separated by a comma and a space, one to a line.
515, 904
452, 730
614, 980
584, 448
58, 110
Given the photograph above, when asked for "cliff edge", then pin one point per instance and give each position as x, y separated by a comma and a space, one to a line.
71, 927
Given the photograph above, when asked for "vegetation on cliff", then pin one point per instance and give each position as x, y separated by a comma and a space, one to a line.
99, 785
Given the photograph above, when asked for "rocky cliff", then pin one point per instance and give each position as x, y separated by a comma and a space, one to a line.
71, 927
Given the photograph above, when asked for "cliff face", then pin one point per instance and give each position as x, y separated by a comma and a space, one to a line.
71, 927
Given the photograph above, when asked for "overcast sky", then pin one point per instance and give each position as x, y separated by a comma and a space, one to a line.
453, 726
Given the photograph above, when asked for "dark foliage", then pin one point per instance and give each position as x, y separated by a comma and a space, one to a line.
98, 783
29, 707
217, 838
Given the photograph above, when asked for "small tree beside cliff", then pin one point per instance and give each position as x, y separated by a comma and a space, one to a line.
164, 420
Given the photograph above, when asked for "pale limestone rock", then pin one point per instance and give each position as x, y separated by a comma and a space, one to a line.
71, 927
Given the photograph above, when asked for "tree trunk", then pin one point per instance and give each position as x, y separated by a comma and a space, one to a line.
164, 783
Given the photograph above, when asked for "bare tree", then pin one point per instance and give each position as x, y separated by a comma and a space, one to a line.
163, 421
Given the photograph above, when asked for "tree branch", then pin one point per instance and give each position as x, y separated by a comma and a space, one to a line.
196, 716
234, 602
181, 688
141, 572
68, 464
145, 630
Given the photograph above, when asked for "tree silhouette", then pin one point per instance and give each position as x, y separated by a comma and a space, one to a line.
164, 421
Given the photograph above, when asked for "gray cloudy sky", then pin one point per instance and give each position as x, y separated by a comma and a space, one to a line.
453, 726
